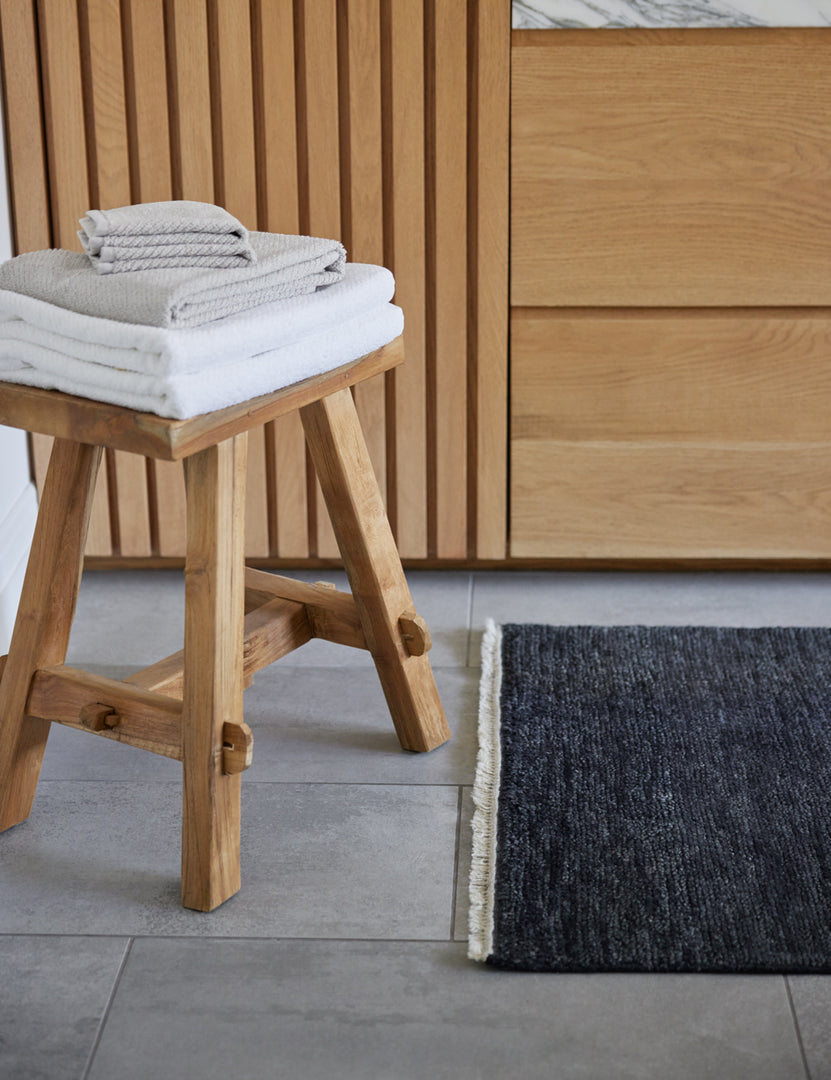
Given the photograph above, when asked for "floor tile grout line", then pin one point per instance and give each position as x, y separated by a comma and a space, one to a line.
456, 858
105, 1015
214, 938
272, 783
470, 588
797, 1029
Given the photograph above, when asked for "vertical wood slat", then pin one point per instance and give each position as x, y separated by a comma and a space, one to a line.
405, 254
236, 189
60, 51
362, 174
447, 164
110, 187
151, 181
279, 211
190, 93
320, 164
26, 155
489, 172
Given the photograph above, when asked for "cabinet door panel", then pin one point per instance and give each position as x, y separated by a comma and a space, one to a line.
673, 168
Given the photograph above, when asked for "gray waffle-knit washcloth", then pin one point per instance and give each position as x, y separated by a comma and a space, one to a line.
161, 235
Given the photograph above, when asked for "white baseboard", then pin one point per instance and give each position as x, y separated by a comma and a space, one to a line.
16, 530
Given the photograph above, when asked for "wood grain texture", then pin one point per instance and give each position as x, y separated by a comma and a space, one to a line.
213, 681
489, 182
149, 721
405, 245
190, 100
275, 99
374, 569
317, 116
763, 500
447, 165
674, 433
363, 195
44, 619
680, 375
147, 99
23, 121
104, 80
683, 176
319, 165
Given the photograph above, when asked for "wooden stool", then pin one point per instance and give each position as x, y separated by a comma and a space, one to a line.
189, 706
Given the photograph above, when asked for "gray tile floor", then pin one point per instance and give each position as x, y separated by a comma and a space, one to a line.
343, 955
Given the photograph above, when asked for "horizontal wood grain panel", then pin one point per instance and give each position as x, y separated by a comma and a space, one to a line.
672, 170
668, 500
674, 375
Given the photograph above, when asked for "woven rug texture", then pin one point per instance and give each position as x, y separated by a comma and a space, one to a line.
653, 799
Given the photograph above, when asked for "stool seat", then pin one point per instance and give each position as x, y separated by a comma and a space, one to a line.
188, 706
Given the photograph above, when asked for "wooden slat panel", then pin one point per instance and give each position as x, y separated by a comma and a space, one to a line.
236, 190
290, 490
670, 500
449, 285
147, 100
23, 119
405, 248
363, 211
172, 511
276, 127
68, 179
684, 375
110, 182
26, 155
191, 129
695, 171
151, 181
320, 161
489, 276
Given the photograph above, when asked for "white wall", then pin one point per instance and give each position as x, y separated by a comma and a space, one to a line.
18, 503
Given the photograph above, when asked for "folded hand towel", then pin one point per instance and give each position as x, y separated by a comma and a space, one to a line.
182, 233
183, 395
286, 266
158, 218
152, 350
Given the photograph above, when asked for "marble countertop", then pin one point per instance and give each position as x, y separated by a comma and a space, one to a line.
687, 14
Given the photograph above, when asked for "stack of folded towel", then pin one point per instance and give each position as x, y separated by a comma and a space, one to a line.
183, 341
158, 235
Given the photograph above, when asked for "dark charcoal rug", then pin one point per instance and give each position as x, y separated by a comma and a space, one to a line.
653, 799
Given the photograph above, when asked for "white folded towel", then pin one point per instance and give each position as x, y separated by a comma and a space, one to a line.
286, 266
153, 350
182, 396
180, 373
181, 233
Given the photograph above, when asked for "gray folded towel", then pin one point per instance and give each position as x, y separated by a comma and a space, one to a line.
161, 235
178, 297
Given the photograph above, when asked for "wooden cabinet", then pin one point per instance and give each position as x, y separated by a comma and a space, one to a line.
671, 283
383, 123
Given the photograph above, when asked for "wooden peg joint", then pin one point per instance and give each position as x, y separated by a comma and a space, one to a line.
97, 716
237, 747
415, 633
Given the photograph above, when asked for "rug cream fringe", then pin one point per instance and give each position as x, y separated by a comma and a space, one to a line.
485, 798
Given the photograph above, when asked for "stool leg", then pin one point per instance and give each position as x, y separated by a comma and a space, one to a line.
380, 590
44, 618
212, 695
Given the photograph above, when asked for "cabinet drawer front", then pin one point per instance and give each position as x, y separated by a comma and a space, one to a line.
629, 374
670, 434
671, 168
670, 501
